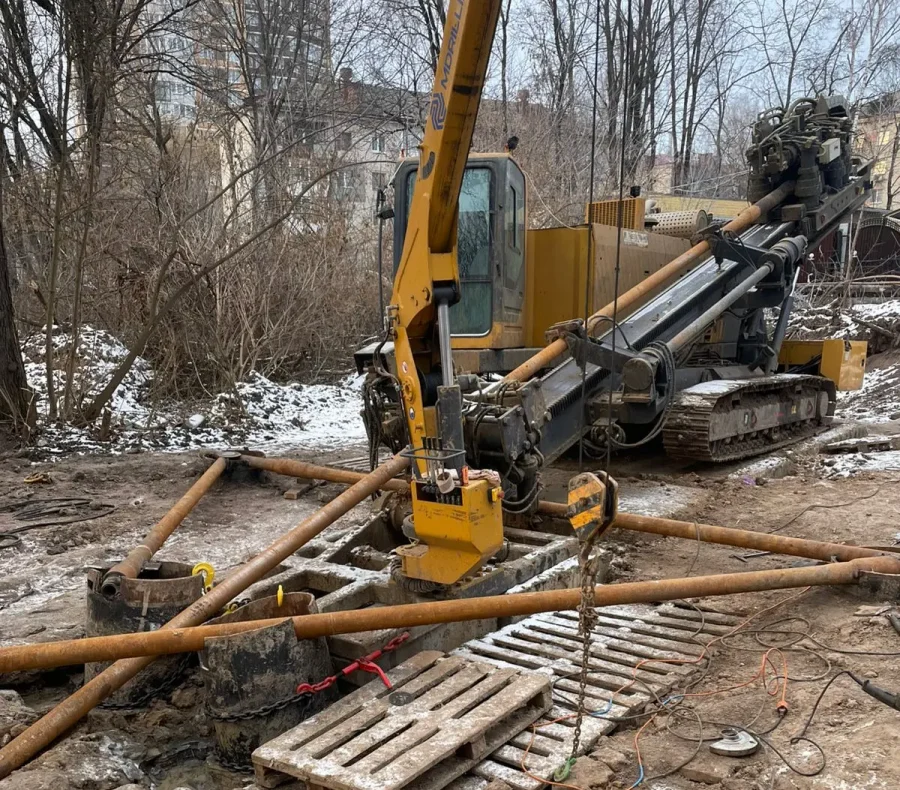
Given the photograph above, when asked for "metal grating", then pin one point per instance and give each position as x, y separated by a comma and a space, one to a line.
549, 643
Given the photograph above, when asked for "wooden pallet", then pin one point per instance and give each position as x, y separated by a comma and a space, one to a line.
623, 637
443, 715
870, 444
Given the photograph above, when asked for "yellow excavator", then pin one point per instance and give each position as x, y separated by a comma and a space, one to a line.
684, 355
515, 281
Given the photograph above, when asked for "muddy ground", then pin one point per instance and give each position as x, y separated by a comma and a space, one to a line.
167, 745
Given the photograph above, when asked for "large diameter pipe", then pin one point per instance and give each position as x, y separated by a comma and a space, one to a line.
745, 539
47, 729
634, 296
667, 527
131, 566
310, 626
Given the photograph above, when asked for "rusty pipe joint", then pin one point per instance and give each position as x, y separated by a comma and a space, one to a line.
111, 586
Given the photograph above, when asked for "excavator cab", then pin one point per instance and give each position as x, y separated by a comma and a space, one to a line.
491, 250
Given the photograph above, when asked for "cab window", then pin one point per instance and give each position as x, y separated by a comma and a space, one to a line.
472, 315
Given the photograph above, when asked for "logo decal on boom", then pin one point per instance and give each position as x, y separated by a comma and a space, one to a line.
438, 110
438, 105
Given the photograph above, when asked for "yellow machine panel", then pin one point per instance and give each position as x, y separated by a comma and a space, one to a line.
558, 266
455, 538
606, 212
842, 361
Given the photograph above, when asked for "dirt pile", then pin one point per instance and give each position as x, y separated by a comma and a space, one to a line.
878, 323
879, 398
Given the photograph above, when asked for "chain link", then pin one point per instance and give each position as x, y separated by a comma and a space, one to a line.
262, 710
305, 695
587, 618
170, 680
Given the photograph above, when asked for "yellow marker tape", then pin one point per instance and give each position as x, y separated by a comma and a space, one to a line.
208, 573
279, 596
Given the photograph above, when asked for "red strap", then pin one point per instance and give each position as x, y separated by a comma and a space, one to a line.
365, 664
368, 666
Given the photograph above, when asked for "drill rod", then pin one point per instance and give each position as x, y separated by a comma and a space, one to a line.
667, 527
178, 640
59, 720
632, 298
131, 566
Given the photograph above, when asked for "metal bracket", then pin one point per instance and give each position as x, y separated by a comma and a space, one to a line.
727, 249
588, 351
564, 329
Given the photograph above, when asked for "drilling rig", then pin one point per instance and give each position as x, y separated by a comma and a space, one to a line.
685, 355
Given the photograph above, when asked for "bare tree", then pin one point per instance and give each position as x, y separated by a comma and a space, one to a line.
14, 393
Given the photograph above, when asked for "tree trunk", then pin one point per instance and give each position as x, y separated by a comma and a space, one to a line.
14, 392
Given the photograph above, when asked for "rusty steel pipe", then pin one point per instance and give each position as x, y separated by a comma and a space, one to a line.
667, 527
178, 640
634, 296
48, 728
728, 536
291, 468
131, 566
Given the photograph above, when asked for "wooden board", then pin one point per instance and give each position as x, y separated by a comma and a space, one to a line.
443, 715
869, 444
624, 637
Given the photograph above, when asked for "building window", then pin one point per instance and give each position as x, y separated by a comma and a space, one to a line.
378, 143
344, 141
379, 181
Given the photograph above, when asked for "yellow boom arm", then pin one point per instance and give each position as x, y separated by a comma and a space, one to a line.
428, 274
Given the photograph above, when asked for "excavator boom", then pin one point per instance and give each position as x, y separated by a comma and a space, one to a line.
457, 520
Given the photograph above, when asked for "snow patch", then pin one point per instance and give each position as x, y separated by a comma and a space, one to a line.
662, 500
878, 400
848, 464
258, 412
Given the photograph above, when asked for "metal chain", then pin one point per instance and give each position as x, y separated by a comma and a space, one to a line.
236, 766
587, 618
307, 693
263, 710
169, 682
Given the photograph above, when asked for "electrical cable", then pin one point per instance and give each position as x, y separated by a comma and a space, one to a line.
589, 263
812, 713
824, 506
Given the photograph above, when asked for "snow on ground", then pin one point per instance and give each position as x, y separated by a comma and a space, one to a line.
879, 398
809, 321
848, 464
879, 324
258, 413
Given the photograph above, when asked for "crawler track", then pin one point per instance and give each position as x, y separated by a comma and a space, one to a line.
729, 420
